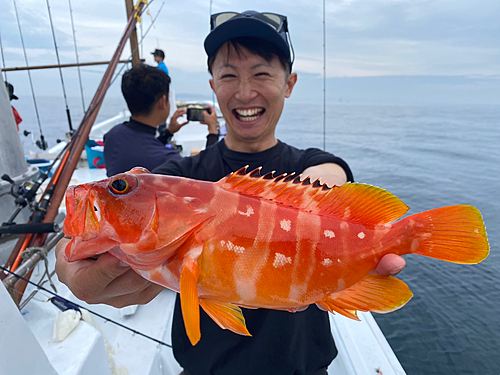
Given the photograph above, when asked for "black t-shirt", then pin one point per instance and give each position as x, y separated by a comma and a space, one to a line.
133, 144
282, 342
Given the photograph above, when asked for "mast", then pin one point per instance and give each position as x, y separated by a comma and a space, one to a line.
134, 45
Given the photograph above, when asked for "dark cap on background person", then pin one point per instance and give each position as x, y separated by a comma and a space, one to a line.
270, 27
10, 90
158, 52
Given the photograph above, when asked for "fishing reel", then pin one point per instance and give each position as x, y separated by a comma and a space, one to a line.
40, 143
24, 195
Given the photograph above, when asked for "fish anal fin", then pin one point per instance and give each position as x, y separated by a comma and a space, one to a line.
329, 304
189, 299
226, 315
353, 202
376, 293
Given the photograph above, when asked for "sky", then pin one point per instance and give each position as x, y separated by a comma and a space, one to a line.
377, 51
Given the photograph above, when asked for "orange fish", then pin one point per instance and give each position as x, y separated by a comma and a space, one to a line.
262, 241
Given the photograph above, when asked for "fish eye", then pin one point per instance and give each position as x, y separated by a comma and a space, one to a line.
123, 184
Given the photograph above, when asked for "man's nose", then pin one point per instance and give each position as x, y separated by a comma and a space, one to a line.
246, 91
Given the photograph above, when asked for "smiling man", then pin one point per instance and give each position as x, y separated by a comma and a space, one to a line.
250, 62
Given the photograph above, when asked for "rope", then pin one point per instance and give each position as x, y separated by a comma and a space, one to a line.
76, 54
43, 253
90, 311
43, 144
60, 70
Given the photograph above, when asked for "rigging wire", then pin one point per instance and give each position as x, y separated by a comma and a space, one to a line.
3, 57
41, 143
60, 70
81, 307
324, 75
91, 110
138, 44
76, 54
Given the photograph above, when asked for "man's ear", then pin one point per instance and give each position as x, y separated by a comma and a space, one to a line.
290, 83
163, 104
211, 81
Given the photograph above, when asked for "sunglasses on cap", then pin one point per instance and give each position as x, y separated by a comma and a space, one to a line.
276, 21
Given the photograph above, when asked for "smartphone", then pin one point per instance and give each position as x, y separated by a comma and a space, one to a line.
196, 114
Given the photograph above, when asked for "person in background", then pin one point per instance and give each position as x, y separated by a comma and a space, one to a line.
134, 143
250, 62
159, 56
17, 116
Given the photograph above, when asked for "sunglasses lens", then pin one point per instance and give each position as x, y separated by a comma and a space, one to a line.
272, 20
223, 17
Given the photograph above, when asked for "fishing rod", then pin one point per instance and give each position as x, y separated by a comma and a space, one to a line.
76, 54
41, 143
60, 70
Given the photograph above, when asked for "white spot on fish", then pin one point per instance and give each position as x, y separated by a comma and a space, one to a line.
327, 262
280, 260
232, 247
476, 230
286, 225
361, 235
414, 244
249, 212
329, 233
188, 199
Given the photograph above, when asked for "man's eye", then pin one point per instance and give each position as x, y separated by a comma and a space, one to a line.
262, 74
228, 76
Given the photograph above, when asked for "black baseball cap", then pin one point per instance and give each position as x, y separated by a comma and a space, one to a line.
158, 52
10, 90
270, 27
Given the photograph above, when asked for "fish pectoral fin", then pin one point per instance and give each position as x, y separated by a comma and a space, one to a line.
226, 315
377, 293
189, 299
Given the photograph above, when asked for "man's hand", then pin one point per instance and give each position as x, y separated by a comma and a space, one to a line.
210, 119
174, 126
105, 280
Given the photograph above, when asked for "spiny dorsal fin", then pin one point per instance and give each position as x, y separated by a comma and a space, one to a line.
351, 202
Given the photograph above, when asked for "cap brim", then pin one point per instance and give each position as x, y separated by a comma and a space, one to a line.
244, 27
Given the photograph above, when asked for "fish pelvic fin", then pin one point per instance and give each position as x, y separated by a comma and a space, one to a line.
189, 299
353, 202
226, 315
454, 234
376, 293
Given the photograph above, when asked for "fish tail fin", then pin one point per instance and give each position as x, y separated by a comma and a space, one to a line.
454, 234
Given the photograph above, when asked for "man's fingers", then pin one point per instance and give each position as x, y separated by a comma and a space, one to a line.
390, 265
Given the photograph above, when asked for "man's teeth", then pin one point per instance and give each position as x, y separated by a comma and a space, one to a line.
249, 114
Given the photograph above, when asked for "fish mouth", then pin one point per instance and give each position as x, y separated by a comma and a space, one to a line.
76, 205
248, 114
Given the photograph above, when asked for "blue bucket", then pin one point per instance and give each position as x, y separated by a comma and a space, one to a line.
95, 158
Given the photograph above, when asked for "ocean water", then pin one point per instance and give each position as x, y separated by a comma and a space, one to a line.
429, 156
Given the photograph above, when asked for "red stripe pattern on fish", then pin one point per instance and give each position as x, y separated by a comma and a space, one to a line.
263, 241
